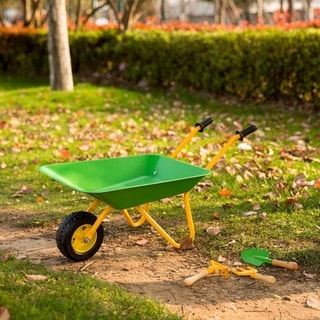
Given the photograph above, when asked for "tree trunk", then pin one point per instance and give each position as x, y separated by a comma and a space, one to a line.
260, 11
223, 11
217, 8
58, 46
290, 11
78, 15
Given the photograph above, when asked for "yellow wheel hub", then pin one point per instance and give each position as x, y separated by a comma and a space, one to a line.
78, 239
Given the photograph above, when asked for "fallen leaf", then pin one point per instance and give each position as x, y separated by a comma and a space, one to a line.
317, 184
5, 256
248, 175
22, 191
141, 242
213, 231
290, 202
35, 277
262, 215
249, 213
244, 146
239, 179
225, 192
4, 314
231, 242
310, 275
221, 259
298, 206
39, 199
216, 216
166, 200
84, 147
313, 302
64, 153
186, 244
256, 207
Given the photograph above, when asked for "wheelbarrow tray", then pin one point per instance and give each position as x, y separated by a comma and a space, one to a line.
125, 182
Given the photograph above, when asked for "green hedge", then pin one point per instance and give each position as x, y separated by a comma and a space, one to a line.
248, 64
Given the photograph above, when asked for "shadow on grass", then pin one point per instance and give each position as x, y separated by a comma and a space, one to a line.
15, 83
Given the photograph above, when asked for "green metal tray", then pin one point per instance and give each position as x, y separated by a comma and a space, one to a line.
125, 182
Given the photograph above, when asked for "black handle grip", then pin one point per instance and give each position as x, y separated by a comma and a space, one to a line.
246, 132
204, 123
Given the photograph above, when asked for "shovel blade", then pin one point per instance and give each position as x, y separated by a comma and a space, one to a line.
256, 257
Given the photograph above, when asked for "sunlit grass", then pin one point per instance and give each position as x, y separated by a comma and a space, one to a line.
39, 126
66, 295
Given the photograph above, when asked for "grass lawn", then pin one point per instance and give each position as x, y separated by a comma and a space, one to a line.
263, 193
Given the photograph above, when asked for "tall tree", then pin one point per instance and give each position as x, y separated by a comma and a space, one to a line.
58, 45
259, 11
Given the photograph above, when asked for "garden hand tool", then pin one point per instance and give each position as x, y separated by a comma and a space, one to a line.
253, 273
257, 257
215, 267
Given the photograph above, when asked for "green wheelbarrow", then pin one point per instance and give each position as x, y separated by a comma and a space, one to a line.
123, 183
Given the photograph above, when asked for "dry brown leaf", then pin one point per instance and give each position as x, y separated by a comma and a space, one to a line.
262, 215
216, 216
213, 231
248, 175
35, 277
186, 244
221, 259
256, 207
141, 242
4, 314
166, 200
5, 256
84, 147
310, 275
298, 206
290, 202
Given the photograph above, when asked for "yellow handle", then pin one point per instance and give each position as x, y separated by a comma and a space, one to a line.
285, 264
268, 279
191, 280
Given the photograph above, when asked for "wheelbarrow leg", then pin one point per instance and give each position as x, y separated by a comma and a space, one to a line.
97, 223
189, 216
92, 205
157, 227
130, 220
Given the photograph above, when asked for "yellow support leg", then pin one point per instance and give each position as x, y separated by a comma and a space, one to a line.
97, 223
189, 216
157, 227
92, 205
130, 220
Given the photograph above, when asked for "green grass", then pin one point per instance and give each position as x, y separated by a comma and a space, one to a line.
66, 295
93, 122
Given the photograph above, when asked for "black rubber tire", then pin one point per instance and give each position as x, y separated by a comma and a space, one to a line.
66, 232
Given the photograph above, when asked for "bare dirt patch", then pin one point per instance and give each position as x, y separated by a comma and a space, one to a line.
152, 271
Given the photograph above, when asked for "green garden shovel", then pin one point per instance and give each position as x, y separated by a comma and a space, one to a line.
257, 257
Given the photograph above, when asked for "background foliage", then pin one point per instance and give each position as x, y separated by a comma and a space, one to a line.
249, 64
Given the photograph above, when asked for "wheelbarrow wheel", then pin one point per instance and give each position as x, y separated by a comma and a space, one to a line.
70, 236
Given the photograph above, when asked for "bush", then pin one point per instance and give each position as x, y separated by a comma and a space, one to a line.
255, 64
